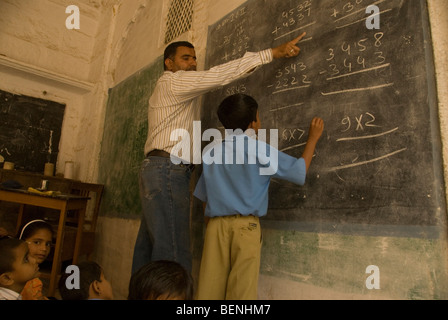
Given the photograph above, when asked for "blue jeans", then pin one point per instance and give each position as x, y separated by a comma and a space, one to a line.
164, 232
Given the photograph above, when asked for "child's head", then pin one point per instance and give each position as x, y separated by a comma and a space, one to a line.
92, 283
161, 280
39, 236
17, 267
239, 111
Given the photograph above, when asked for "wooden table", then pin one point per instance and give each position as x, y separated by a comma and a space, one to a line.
63, 203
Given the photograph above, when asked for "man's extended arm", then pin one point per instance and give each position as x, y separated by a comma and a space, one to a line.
189, 84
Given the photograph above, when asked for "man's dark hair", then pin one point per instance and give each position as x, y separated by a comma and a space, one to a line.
170, 50
7, 257
238, 111
89, 271
162, 278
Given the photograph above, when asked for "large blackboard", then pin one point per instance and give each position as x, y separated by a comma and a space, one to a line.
124, 137
30, 130
378, 161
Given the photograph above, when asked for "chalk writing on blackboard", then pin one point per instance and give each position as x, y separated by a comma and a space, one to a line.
378, 157
30, 130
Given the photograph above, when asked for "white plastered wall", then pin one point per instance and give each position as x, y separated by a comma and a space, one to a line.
206, 13
40, 58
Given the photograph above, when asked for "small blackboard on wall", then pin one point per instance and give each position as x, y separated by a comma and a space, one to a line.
30, 130
379, 159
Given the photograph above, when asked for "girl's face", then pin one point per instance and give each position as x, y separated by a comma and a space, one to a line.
40, 244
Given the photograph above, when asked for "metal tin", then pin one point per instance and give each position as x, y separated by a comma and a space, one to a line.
44, 185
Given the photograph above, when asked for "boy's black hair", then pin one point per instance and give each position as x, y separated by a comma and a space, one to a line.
238, 111
159, 278
89, 271
7, 257
170, 50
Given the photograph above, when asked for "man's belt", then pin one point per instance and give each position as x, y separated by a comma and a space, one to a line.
164, 154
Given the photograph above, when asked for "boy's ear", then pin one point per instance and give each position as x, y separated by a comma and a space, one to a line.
6, 280
96, 287
252, 125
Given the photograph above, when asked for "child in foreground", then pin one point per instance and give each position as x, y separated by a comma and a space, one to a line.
161, 280
236, 195
92, 284
38, 234
17, 267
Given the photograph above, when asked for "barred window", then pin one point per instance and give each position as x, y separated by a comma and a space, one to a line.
180, 16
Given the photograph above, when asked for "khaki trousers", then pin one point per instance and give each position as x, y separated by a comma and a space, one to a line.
230, 262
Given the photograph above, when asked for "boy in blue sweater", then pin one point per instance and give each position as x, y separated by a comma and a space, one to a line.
234, 185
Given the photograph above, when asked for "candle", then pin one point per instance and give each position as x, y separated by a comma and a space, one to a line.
8, 165
49, 169
68, 172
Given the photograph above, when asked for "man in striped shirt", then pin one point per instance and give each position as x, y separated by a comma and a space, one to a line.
164, 177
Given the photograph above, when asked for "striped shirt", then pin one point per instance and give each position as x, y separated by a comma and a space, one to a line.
175, 102
8, 294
